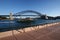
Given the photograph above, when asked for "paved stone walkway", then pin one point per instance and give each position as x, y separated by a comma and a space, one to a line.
47, 33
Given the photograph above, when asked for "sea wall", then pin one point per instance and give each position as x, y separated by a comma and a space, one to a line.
38, 27
9, 33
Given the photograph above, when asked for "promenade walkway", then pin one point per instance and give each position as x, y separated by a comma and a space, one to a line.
46, 32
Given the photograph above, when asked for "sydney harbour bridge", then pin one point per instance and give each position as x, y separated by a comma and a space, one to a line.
19, 14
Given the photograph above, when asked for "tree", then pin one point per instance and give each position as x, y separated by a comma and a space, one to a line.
2, 17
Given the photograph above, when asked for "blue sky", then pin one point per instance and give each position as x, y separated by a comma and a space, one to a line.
49, 7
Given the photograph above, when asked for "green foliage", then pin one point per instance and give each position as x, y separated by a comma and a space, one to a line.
2, 17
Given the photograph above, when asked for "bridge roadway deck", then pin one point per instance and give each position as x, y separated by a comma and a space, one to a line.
17, 15
46, 33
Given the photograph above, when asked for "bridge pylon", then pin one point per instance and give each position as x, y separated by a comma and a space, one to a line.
11, 16
46, 16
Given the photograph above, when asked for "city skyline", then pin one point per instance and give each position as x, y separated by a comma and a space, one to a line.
49, 7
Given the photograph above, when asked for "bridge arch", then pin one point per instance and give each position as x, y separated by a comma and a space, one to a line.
20, 14
28, 11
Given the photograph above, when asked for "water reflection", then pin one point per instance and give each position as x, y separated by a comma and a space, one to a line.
14, 24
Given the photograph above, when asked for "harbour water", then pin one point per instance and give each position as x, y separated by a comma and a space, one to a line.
7, 24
